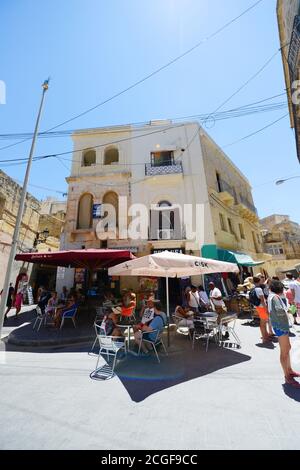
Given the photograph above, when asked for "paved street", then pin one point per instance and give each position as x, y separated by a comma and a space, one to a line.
225, 399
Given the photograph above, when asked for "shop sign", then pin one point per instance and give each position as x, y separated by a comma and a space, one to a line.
172, 250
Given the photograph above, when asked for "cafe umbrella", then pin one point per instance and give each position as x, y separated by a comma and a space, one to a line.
169, 265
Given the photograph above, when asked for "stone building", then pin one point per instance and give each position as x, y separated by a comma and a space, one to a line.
282, 241
288, 14
166, 168
10, 193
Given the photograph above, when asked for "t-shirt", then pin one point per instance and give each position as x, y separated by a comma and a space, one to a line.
193, 299
148, 315
156, 324
214, 294
259, 293
295, 286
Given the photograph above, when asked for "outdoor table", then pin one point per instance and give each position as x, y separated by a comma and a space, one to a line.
126, 325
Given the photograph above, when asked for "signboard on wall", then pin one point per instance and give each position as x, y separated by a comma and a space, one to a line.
61, 272
172, 250
97, 211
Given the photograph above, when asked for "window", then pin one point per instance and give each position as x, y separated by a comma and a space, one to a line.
113, 199
89, 158
222, 222
85, 212
111, 156
165, 158
242, 233
165, 222
219, 183
230, 226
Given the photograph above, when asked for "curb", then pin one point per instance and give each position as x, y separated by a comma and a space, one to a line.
48, 342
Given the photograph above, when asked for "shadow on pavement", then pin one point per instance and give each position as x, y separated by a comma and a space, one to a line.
291, 392
144, 376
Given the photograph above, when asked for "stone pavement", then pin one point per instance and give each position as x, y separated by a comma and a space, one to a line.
227, 398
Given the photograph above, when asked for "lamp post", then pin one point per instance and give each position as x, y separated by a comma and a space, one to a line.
279, 182
20, 214
41, 237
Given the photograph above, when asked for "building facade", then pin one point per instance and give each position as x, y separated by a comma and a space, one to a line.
195, 199
288, 14
10, 193
48, 236
282, 241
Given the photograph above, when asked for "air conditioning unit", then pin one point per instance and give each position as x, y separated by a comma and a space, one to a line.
165, 234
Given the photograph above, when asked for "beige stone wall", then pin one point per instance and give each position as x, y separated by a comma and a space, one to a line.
215, 161
10, 193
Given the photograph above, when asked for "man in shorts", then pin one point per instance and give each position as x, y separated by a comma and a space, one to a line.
262, 310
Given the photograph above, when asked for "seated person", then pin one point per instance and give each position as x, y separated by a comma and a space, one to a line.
158, 311
149, 295
128, 306
184, 317
110, 327
71, 304
44, 297
147, 315
156, 324
52, 303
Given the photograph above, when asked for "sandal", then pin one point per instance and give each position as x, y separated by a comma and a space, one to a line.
294, 374
291, 381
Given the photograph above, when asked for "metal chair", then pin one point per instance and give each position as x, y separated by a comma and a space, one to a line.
109, 345
154, 343
69, 314
227, 323
40, 317
206, 327
180, 328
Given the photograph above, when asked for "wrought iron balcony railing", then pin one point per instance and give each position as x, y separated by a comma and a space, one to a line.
174, 168
294, 49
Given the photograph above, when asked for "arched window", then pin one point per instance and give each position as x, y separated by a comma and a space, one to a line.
85, 212
113, 199
166, 217
111, 156
89, 158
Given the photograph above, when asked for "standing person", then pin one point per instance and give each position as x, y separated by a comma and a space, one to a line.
295, 290
10, 298
20, 288
288, 279
218, 304
258, 300
280, 323
64, 295
204, 300
193, 299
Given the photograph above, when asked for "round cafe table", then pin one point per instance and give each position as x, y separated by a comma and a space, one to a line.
126, 326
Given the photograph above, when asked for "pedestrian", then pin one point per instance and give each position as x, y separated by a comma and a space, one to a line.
295, 290
280, 323
10, 298
257, 299
193, 299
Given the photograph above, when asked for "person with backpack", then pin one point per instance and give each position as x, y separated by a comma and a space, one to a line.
257, 299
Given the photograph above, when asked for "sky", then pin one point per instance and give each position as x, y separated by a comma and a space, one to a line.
92, 49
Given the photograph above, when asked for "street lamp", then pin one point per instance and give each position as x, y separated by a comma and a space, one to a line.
279, 182
41, 237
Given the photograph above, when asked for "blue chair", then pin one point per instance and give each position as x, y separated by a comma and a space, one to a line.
69, 314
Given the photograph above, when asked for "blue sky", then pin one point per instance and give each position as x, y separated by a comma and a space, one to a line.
94, 48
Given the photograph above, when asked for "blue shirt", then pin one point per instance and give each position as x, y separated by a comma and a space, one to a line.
156, 324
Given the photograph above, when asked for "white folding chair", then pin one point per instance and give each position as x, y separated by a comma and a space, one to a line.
228, 323
154, 343
206, 327
40, 317
109, 345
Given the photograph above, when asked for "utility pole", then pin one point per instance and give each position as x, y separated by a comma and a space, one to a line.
20, 213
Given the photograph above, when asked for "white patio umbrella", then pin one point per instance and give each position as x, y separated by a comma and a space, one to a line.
168, 264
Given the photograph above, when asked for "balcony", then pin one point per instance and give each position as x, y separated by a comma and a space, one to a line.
293, 56
226, 192
166, 169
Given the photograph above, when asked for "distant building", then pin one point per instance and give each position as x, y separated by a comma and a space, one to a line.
10, 193
282, 241
48, 238
288, 14
163, 166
